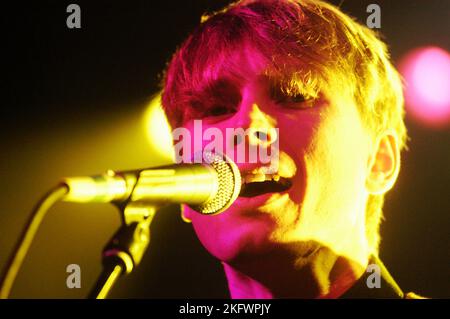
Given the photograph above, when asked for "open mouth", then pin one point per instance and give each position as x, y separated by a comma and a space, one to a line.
255, 185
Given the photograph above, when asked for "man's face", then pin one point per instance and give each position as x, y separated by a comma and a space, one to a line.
323, 152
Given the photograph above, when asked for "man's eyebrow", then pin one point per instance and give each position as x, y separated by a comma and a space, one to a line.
217, 88
295, 83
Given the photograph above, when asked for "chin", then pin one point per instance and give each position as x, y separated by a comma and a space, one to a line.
235, 238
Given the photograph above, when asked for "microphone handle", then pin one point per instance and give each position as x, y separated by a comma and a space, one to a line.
191, 184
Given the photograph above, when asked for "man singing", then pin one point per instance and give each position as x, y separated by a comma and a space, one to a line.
303, 75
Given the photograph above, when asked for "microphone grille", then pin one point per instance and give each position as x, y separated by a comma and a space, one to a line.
229, 179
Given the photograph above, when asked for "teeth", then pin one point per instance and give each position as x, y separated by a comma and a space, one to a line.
255, 178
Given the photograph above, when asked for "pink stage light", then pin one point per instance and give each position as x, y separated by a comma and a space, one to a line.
427, 85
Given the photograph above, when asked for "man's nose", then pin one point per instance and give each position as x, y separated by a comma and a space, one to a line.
259, 127
260, 136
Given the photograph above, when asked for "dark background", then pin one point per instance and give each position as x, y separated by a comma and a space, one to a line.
72, 104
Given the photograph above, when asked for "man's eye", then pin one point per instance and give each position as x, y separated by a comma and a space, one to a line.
296, 98
219, 110
292, 100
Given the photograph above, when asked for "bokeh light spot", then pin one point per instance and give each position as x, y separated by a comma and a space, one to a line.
427, 85
158, 130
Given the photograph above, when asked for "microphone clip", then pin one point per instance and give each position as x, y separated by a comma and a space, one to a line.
126, 248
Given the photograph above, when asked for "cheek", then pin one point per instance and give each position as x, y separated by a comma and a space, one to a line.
298, 139
351, 148
336, 167
341, 144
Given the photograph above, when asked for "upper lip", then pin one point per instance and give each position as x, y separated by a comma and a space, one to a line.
283, 168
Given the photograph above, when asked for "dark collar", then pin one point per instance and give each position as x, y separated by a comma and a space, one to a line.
388, 287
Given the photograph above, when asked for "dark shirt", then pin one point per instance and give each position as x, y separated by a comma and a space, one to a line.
388, 288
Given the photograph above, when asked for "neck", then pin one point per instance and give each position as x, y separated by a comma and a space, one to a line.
323, 275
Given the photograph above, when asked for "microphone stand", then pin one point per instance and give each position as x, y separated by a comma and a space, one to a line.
126, 248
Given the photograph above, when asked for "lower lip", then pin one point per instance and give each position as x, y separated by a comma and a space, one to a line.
247, 203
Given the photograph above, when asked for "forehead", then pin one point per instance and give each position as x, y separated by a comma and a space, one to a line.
245, 63
239, 65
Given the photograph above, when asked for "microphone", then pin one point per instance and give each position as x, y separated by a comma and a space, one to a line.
209, 187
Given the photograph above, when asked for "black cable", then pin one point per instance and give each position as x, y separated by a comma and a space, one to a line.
24, 243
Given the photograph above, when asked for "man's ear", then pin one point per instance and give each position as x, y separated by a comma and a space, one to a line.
384, 164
